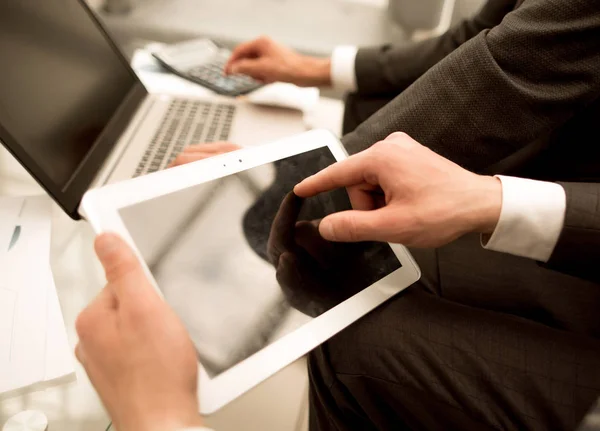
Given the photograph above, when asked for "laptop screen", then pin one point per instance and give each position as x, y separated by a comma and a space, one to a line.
61, 81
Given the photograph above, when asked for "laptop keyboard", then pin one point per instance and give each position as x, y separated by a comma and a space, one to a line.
186, 122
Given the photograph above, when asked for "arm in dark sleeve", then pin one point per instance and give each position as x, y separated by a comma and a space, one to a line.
392, 68
502, 89
577, 251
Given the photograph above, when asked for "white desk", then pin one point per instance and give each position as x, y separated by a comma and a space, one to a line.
277, 404
78, 278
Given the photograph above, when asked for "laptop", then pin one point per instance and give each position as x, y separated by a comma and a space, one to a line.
75, 115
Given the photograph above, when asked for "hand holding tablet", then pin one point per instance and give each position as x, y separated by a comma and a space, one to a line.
135, 349
244, 267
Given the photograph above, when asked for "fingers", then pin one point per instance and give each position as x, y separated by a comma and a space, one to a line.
355, 226
213, 147
401, 139
355, 170
197, 152
307, 236
256, 68
365, 197
123, 270
298, 278
281, 236
364, 167
94, 324
185, 158
79, 354
97, 312
250, 49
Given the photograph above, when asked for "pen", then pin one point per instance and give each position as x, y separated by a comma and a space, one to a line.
17, 232
15, 237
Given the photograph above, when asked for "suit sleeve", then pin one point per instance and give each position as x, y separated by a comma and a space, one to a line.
392, 68
501, 90
577, 251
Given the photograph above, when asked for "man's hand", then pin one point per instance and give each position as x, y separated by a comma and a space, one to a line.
402, 192
135, 350
268, 61
197, 152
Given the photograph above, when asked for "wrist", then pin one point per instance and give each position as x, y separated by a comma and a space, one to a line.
488, 200
167, 424
153, 420
316, 71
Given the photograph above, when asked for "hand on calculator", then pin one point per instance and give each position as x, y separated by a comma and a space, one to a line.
268, 61
203, 62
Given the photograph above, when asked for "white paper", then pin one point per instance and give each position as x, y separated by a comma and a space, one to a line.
34, 348
284, 95
156, 79
59, 355
24, 285
8, 304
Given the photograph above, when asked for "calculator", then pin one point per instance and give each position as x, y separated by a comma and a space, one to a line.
203, 62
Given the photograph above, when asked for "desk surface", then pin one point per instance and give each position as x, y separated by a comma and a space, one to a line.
75, 406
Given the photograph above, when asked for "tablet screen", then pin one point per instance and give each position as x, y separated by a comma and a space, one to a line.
241, 261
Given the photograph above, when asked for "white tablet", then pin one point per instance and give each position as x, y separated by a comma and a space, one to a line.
239, 258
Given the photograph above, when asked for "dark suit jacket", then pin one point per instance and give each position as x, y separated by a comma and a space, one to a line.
515, 90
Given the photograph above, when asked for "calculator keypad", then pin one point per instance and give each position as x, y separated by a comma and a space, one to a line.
212, 73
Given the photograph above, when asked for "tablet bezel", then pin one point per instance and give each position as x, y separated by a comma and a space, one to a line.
101, 208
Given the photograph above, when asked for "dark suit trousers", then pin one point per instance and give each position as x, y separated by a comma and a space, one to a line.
485, 341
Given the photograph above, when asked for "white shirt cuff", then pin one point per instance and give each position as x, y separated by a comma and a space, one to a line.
531, 218
343, 73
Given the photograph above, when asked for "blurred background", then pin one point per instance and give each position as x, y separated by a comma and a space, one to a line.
311, 26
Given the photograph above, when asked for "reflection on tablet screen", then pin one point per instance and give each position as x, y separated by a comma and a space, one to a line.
241, 261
